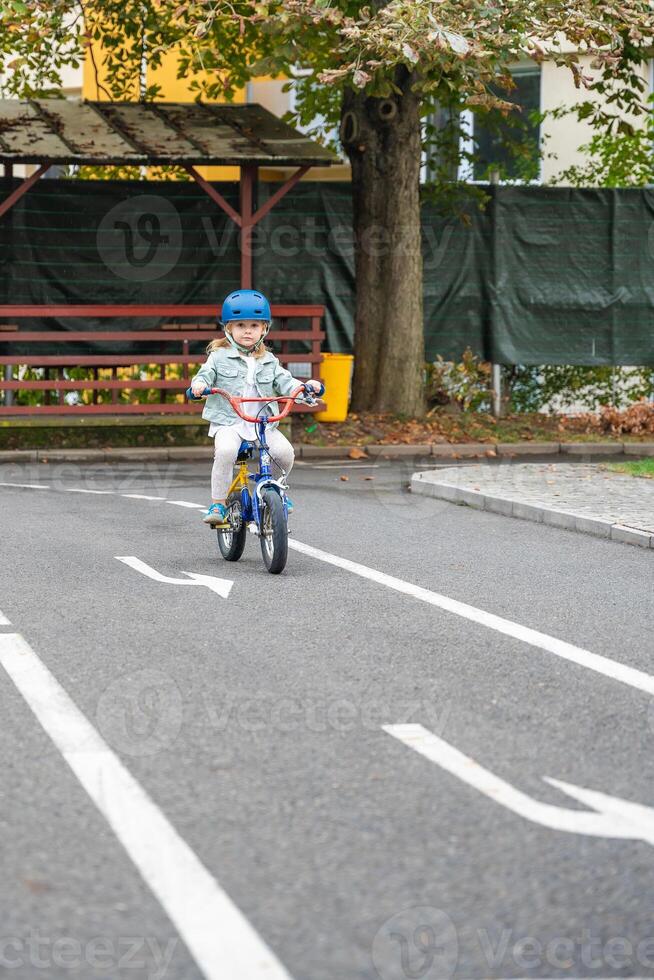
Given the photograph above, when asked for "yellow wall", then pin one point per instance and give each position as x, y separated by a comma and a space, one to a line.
265, 90
175, 89
92, 85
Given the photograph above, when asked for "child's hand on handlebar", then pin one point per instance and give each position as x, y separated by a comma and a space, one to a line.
316, 385
198, 389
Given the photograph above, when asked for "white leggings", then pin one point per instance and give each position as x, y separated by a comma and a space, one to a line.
227, 442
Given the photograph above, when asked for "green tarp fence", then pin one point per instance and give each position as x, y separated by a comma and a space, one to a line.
543, 275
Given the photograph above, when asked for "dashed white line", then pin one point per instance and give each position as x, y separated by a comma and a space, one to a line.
82, 490
560, 648
140, 496
185, 503
3, 619
26, 486
217, 934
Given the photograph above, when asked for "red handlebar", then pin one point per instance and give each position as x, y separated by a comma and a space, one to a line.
236, 401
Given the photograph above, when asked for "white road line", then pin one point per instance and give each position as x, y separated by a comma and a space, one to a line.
3, 619
140, 496
185, 503
82, 490
567, 651
219, 937
26, 486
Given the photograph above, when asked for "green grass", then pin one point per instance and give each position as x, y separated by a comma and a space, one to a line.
640, 467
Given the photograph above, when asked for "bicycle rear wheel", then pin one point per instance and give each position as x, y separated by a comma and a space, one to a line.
232, 542
274, 532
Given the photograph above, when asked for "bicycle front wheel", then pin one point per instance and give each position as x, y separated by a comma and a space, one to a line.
274, 532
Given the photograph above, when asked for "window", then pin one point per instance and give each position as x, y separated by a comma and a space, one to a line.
492, 133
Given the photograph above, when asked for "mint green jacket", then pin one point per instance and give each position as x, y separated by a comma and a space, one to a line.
225, 368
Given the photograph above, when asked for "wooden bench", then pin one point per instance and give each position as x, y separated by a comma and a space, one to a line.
289, 331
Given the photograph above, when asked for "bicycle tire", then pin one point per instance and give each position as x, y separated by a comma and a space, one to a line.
232, 543
274, 532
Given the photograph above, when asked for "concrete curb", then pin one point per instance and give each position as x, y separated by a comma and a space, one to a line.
507, 507
126, 455
592, 448
506, 450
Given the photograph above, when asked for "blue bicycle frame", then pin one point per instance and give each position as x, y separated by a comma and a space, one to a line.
251, 503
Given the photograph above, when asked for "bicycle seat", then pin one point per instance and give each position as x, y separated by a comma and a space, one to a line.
244, 452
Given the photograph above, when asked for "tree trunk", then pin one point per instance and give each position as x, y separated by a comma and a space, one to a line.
382, 139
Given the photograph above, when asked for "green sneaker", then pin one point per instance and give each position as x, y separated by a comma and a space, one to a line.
216, 515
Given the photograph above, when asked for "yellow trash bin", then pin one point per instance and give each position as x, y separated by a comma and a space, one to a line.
336, 374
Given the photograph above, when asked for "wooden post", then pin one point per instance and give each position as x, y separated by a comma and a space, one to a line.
247, 187
316, 371
185, 353
16, 195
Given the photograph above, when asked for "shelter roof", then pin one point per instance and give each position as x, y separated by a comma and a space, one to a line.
66, 131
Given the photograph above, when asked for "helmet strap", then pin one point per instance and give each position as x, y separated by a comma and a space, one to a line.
240, 347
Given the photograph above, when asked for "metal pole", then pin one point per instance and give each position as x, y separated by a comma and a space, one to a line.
9, 375
497, 368
9, 370
497, 390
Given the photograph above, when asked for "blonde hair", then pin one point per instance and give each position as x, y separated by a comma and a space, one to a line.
220, 342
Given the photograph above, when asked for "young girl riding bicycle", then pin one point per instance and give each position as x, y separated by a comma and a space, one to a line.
242, 365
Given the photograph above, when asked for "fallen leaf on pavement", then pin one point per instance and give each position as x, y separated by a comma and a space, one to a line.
345, 478
357, 454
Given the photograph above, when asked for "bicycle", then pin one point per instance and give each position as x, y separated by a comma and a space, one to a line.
266, 509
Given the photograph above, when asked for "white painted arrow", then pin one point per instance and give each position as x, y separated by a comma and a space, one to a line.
221, 586
613, 817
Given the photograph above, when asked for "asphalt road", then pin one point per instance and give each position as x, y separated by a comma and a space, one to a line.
253, 766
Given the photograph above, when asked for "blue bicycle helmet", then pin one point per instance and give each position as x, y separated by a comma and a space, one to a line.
245, 304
